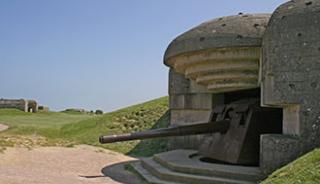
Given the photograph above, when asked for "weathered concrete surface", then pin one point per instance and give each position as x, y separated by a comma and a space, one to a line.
277, 150
43, 108
180, 161
188, 103
21, 104
51, 165
182, 117
191, 101
179, 84
291, 78
184, 166
32, 106
222, 54
231, 31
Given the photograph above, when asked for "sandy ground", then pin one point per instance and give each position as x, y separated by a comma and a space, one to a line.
3, 127
48, 165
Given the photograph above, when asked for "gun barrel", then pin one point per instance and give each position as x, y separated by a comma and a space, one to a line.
202, 128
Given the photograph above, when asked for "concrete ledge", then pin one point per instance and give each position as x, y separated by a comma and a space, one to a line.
147, 176
219, 72
163, 173
179, 161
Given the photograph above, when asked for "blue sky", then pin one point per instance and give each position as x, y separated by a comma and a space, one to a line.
97, 54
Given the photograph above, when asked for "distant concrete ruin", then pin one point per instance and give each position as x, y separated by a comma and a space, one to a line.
21, 104
43, 108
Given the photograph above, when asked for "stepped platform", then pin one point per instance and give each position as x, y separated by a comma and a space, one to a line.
185, 167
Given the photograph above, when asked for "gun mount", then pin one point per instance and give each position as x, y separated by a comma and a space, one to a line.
202, 128
216, 67
232, 134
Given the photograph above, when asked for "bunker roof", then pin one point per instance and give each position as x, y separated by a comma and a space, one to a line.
243, 30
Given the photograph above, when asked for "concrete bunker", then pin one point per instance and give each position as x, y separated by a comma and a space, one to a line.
210, 61
257, 73
32, 106
279, 60
21, 104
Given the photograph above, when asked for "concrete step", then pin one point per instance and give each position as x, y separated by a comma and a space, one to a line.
180, 161
165, 174
148, 176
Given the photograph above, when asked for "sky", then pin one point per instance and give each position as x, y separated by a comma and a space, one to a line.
98, 54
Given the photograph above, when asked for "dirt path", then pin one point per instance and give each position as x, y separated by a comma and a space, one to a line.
52, 165
3, 127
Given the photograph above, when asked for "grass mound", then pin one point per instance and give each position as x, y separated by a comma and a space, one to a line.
32, 129
305, 169
65, 129
139, 117
13, 112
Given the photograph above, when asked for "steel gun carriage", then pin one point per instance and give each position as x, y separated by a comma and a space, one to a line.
202, 128
232, 135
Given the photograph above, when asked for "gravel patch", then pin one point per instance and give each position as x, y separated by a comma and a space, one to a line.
78, 165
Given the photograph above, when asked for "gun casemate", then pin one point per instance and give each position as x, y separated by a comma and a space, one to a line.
239, 125
244, 93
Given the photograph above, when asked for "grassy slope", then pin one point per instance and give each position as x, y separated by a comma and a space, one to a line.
20, 122
29, 129
144, 116
305, 170
85, 129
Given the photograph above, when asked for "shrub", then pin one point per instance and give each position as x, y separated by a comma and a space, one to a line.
98, 112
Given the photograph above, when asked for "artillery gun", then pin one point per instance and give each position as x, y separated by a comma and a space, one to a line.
232, 135
244, 136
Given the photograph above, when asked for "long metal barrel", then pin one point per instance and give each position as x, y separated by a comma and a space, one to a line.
210, 127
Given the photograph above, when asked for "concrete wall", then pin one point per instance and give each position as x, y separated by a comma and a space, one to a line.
291, 80
21, 104
32, 106
189, 103
43, 108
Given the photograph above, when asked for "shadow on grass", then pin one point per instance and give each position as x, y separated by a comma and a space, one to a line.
150, 147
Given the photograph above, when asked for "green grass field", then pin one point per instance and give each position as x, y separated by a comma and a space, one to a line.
22, 122
67, 129
305, 170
